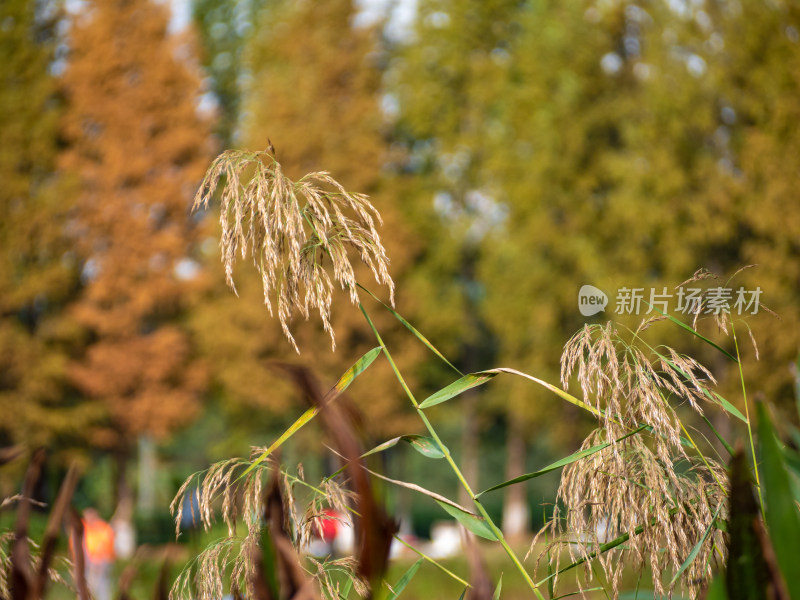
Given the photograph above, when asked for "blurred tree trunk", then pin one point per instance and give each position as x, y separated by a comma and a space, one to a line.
146, 488
123, 491
515, 503
403, 495
122, 519
470, 441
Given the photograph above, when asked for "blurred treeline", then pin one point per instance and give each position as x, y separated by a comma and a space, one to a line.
516, 149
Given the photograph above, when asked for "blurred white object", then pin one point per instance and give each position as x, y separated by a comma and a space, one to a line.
445, 540
124, 531
398, 549
344, 542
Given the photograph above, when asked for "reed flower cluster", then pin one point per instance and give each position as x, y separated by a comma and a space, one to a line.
628, 388
643, 485
234, 491
240, 499
293, 230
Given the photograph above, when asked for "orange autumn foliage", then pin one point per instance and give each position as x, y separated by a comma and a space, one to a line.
138, 147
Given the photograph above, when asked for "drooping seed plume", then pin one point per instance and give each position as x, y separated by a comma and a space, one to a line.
293, 230
644, 484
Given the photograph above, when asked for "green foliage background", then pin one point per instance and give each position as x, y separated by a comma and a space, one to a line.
517, 150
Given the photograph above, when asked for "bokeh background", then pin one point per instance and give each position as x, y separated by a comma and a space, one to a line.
517, 150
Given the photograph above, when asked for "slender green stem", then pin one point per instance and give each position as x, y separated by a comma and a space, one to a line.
599, 579
728, 448
489, 522
432, 561
749, 425
303, 483
703, 457
601, 550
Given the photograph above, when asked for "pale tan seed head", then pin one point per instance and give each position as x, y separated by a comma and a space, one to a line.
617, 491
224, 490
295, 232
647, 478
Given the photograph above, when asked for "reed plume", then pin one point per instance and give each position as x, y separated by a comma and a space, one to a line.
644, 485
292, 230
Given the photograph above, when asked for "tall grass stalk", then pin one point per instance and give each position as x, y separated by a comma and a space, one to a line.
640, 476
747, 414
462, 480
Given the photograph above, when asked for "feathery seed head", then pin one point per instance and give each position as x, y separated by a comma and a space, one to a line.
628, 489
644, 484
291, 229
628, 388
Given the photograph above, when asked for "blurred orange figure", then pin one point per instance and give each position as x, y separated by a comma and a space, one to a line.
98, 537
98, 546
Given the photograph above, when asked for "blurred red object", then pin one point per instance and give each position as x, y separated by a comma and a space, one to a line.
327, 525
